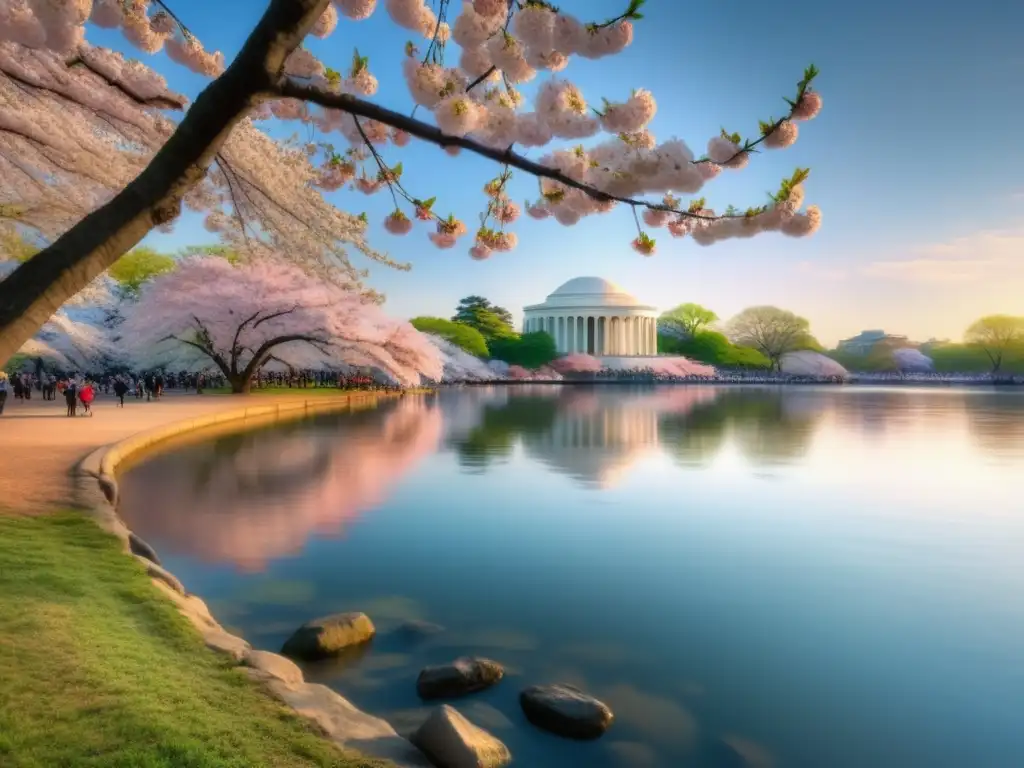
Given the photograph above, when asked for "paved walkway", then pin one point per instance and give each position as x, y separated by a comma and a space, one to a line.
39, 444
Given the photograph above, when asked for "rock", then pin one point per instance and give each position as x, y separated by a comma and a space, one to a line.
329, 636
451, 741
224, 642
462, 676
142, 549
346, 725
158, 572
283, 669
566, 711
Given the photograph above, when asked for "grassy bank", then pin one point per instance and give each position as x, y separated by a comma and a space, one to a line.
98, 669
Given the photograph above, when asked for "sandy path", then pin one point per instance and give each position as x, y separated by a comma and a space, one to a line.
39, 445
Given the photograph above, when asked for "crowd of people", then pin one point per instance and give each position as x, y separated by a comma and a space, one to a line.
79, 391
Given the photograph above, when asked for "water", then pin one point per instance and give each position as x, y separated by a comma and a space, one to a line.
813, 577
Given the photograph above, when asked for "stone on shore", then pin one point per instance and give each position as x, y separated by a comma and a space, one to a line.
463, 676
566, 711
159, 572
283, 669
142, 548
451, 741
346, 725
328, 636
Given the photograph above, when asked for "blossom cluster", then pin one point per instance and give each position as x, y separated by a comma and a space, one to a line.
60, 27
511, 44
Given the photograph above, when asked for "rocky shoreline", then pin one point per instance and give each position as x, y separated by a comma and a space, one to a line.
445, 740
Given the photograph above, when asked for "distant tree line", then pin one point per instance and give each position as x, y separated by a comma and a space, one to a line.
485, 330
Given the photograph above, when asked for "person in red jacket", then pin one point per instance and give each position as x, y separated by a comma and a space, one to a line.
87, 394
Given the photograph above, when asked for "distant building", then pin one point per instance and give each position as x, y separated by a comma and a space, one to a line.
865, 341
592, 316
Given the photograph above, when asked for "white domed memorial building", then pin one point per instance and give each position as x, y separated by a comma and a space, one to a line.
593, 316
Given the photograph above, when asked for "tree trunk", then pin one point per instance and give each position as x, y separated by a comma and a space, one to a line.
240, 384
38, 288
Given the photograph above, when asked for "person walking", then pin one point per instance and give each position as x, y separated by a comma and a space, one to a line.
3, 391
87, 394
120, 389
71, 397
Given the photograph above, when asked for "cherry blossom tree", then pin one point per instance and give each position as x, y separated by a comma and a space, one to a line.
241, 317
266, 195
577, 363
81, 336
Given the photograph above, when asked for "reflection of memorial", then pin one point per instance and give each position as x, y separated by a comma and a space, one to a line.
250, 498
597, 446
595, 434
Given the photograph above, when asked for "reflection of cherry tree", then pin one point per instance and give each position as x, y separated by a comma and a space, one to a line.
253, 498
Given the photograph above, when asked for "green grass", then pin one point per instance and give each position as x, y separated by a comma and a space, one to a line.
97, 668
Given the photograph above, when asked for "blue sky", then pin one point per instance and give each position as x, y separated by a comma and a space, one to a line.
915, 162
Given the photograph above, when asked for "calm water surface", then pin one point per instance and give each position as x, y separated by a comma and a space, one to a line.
814, 578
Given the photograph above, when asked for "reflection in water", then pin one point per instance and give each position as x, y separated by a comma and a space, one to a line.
728, 621
253, 497
996, 422
595, 435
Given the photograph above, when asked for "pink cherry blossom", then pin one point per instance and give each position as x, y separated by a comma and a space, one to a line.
537, 211
577, 363
356, 9
803, 224
643, 247
679, 226
480, 252
303, 64
783, 136
606, 41
443, 240
808, 107
457, 115
399, 137
518, 372
407, 14
535, 26
397, 223
368, 186
654, 218
508, 212
362, 83
326, 24
631, 116
490, 7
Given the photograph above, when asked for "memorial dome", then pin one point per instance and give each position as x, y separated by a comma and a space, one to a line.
591, 315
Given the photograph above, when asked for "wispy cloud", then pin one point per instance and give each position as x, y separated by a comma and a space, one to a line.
967, 259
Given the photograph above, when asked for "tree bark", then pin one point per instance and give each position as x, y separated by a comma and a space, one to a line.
241, 384
37, 289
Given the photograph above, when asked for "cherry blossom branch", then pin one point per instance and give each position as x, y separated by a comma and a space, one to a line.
361, 108
160, 102
389, 176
